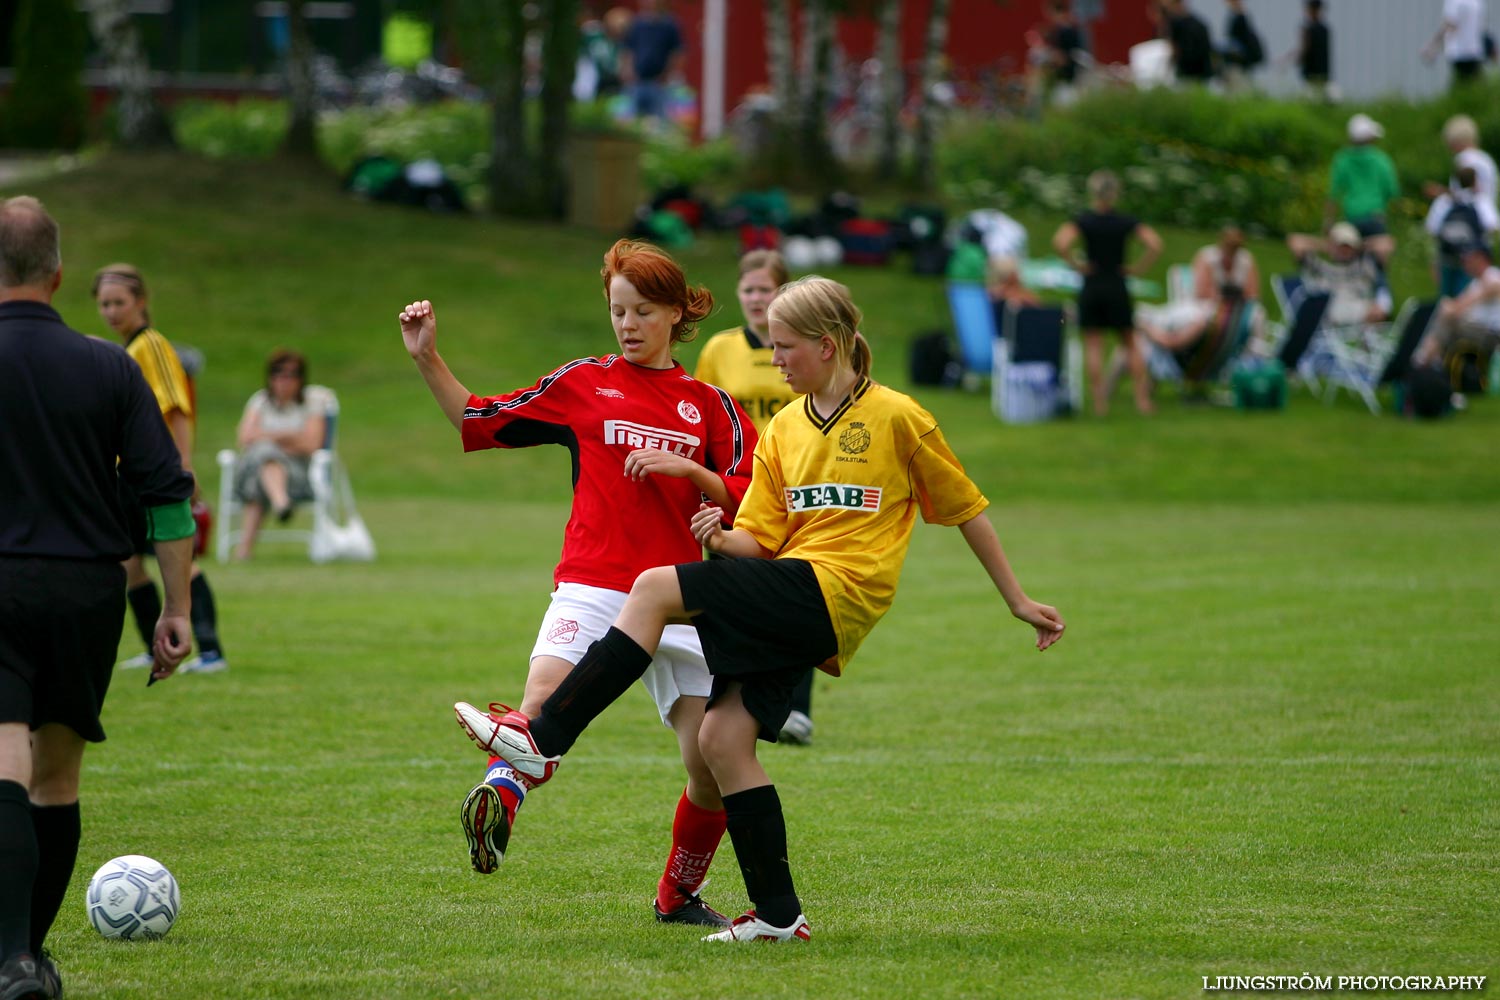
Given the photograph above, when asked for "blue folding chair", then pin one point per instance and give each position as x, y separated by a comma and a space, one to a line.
974, 322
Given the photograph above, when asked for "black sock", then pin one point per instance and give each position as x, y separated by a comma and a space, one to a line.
757, 829
204, 617
57, 834
802, 694
18, 864
607, 670
145, 606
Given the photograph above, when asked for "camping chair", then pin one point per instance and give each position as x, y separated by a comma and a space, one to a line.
1210, 359
1035, 375
1306, 319
1180, 283
1377, 354
974, 322
337, 532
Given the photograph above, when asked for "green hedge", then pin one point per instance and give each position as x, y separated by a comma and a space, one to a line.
456, 134
1195, 158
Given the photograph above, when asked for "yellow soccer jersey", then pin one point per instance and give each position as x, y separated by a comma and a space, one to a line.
735, 363
844, 494
163, 371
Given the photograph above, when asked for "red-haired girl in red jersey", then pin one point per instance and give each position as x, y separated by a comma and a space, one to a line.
648, 443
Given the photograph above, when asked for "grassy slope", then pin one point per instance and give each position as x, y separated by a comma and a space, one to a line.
1267, 746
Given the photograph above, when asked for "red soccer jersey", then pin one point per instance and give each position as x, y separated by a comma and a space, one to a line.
601, 409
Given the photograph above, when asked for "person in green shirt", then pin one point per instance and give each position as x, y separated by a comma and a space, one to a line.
1363, 182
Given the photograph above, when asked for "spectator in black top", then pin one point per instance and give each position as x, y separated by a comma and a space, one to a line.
1192, 50
78, 418
1064, 42
1242, 50
1104, 302
650, 55
1314, 51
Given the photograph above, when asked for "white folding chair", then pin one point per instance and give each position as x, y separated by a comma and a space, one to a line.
337, 530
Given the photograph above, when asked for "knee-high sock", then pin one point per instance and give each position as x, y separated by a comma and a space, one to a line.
696, 833
505, 781
757, 829
607, 670
18, 863
145, 608
205, 616
57, 834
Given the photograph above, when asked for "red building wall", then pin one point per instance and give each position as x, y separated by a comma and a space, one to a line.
984, 36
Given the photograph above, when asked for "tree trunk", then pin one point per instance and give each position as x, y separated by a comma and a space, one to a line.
892, 88
512, 191
559, 61
140, 120
927, 113
813, 147
302, 133
779, 58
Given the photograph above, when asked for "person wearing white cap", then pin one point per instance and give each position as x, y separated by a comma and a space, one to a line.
1339, 265
1362, 183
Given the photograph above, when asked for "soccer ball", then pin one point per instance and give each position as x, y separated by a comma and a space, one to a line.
133, 897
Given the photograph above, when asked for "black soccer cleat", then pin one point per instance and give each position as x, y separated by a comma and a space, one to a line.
487, 827
694, 912
21, 979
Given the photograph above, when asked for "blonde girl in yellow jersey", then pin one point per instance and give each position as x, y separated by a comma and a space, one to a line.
740, 361
839, 480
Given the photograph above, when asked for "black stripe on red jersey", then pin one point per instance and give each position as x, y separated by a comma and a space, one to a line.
827, 425
727, 401
541, 387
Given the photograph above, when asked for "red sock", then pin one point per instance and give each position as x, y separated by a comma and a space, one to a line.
696, 833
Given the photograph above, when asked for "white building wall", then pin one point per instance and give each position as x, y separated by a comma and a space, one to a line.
1376, 43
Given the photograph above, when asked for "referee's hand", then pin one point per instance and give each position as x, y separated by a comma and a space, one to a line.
172, 643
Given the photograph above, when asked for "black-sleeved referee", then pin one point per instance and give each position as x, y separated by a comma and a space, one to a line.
76, 416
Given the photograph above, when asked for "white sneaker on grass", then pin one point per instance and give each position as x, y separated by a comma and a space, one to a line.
751, 928
797, 729
136, 662
210, 663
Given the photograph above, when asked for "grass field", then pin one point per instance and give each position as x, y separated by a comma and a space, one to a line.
1267, 745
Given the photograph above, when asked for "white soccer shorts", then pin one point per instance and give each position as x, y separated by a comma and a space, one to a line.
580, 614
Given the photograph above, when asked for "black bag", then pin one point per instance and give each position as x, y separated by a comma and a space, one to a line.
1468, 367
1428, 392
934, 360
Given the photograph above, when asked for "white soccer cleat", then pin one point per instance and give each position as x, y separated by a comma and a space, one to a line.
751, 928
506, 733
797, 730
136, 662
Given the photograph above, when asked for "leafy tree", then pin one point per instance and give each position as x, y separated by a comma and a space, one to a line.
48, 107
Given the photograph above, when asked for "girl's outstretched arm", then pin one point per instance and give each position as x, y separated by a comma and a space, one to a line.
979, 532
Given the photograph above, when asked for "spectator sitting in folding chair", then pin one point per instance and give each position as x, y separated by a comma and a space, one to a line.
1002, 280
1339, 265
278, 433
1226, 281
1471, 318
